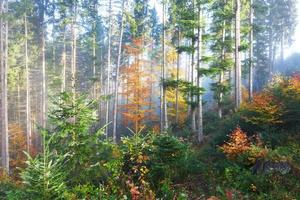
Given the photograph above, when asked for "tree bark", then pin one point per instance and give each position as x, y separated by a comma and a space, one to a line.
4, 70
116, 137
74, 50
108, 67
199, 76
238, 86
165, 109
44, 92
177, 77
251, 52
64, 63
28, 104
221, 78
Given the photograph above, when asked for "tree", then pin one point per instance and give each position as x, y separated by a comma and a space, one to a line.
108, 63
115, 136
137, 90
4, 70
238, 71
164, 114
28, 104
251, 51
199, 76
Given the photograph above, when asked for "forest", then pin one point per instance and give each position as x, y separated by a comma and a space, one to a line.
149, 100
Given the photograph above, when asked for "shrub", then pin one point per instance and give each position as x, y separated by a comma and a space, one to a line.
44, 176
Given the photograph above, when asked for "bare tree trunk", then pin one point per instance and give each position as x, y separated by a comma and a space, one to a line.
251, 52
94, 92
199, 76
177, 78
116, 137
282, 47
165, 109
74, 50
238, 86
28, 104
64, 63
192, 97
108, 67
221, 78
44, 92
4, 70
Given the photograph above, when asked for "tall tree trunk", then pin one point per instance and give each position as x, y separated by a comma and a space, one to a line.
74, 50
238, 73
44, 92
177, 77
165, 109
108, 67
221, 78
28, 104
192, 97
199, 76
251, 52
270, 52
94, 92
282, 48
116, 137
4, 70
64, 62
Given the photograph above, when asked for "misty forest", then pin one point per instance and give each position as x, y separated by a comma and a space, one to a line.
149, 99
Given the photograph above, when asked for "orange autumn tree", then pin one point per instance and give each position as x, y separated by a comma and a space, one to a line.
238, 143
265, 109
137, 109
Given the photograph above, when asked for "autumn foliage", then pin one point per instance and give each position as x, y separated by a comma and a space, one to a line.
137, 109
238, 143
265, 109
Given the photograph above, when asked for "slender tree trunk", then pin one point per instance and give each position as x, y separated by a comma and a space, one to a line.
44, 92
282, 48
251, 52
192, 97
116, 137
94, 92
199, 76
28, 104
4, 70
108, 67
165, 109
74, 50
238, 86
64, 63
177, 77
18, 101
221, 78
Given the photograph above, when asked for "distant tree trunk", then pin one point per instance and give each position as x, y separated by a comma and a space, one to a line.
270, 53
43, 48
94, 92
64, 62
238, 74
4, 70
108, 66
251, 52
221, 78
28, 104
165, 109
116, 137
177, 77
199, 76
282, 47
74, 50
192, 97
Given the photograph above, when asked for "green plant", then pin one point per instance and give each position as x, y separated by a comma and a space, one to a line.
44, 176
